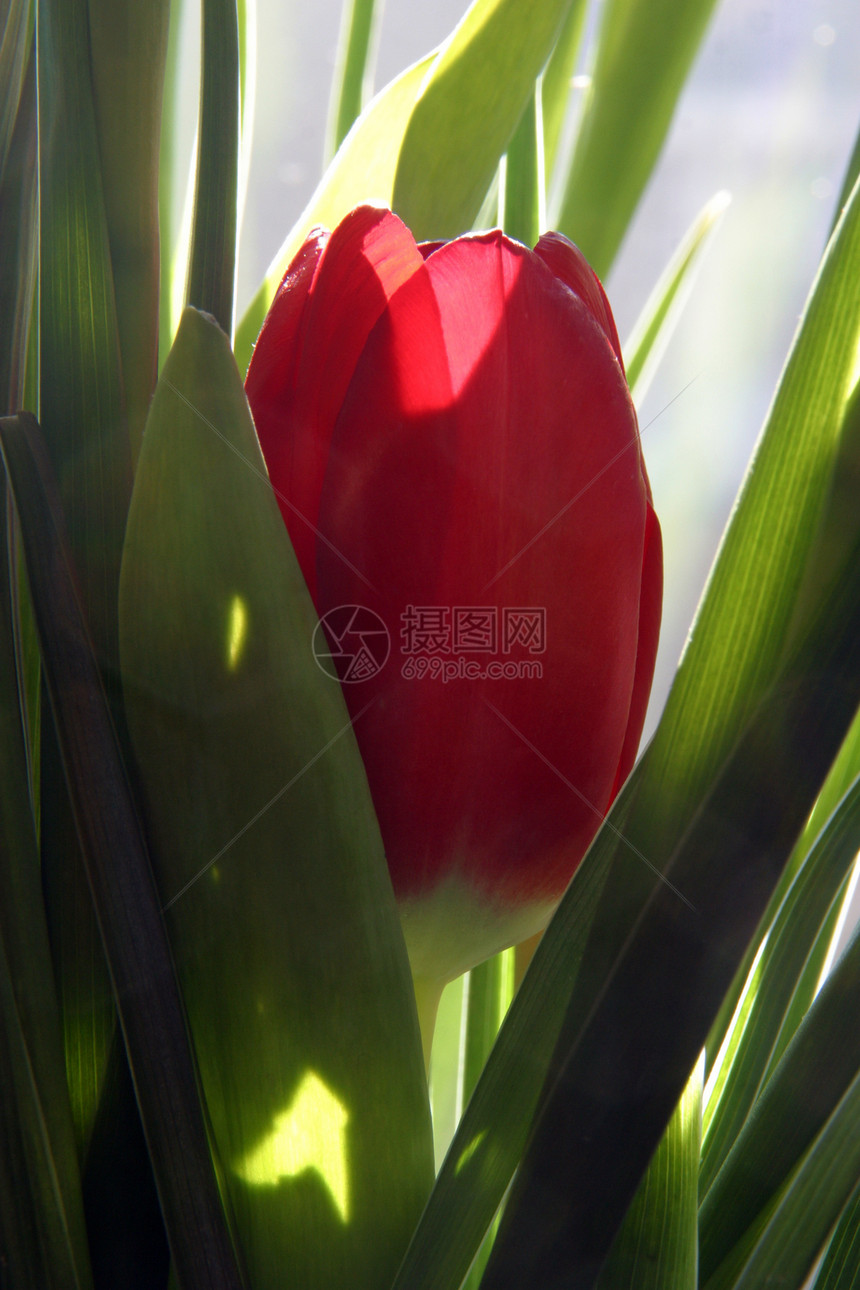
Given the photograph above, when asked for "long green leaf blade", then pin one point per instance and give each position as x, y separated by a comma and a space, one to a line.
353, 73
128, 45
212, 266
120, 879
785, 1247
645, 49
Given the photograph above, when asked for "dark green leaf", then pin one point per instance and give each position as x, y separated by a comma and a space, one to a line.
128, 47
757, 1043
657, 1245
43, 1240
212, 266
120, 879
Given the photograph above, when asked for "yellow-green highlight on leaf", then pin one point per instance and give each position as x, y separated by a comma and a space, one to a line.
353, 71
468, 109
645, 49
270, 865
310, 1134
654, 327
363, 170
237, 631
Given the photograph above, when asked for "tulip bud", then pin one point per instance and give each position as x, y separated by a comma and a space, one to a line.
455, 452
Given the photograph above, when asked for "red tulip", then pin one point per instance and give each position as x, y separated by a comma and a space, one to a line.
451, 437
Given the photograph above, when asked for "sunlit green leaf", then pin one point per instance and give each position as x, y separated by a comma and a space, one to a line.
653, 330
524, 214
270, 865
353, 68
467, 111
556, 81
644, 51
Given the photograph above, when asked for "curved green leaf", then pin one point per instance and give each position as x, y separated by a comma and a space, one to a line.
269, 861
467, 111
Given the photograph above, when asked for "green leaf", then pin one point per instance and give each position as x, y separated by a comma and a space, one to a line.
524, 215
840, 1267
362, 170
353, 71
270, 865
128, 47
759, 1041
18, 236
15, 47
645, 49
81, 406
556, 80
817, 1071
212, 264
657, 1245
120, 879
43, 1239
467, 111
654, 327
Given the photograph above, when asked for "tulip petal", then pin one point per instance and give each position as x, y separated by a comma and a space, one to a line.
332, 295
486, 458
570, 266
650, 613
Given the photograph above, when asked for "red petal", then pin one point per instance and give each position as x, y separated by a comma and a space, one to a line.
650, 613
486, 456
570, 266
301, 368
